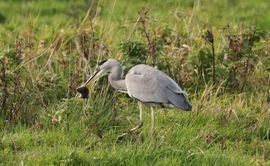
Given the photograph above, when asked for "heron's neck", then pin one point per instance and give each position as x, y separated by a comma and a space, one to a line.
116, 78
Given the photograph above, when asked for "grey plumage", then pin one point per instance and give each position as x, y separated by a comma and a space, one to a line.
146, 84
150, 85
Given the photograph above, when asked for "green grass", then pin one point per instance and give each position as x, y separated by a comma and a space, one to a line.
203, 137
43, 124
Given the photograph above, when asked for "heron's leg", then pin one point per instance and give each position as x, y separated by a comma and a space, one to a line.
139, 125
153, 121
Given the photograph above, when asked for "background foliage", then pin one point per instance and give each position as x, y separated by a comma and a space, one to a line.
217, 50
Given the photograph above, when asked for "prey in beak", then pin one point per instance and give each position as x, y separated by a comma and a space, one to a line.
84, 90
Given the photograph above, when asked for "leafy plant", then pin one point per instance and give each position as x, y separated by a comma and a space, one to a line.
134, 53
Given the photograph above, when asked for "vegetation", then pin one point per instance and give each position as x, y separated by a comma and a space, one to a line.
218, 51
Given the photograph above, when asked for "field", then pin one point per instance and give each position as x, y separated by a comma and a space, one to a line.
216, 50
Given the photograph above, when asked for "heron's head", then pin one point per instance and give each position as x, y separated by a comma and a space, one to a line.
103, 68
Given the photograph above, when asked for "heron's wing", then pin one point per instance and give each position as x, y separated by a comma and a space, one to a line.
148, 84
144, 88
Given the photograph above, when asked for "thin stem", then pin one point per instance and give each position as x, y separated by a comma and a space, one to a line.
213, 63
4, 89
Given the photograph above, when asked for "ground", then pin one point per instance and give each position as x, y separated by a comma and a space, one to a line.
48, 48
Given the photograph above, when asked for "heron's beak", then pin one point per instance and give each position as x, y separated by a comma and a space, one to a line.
92, 78
96, 75
83, 90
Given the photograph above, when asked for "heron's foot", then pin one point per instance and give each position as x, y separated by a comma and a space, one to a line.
133, 130
121, 137
137, 136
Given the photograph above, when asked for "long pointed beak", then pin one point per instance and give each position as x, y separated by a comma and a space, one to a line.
83, 90
95, 74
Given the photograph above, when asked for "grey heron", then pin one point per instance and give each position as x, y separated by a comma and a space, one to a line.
144, 83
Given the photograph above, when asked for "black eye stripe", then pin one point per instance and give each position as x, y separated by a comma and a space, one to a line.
100, 63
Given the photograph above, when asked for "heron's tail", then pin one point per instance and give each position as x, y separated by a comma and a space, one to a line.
179, 100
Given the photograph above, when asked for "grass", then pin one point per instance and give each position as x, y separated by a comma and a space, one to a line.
207, 137
49, 47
